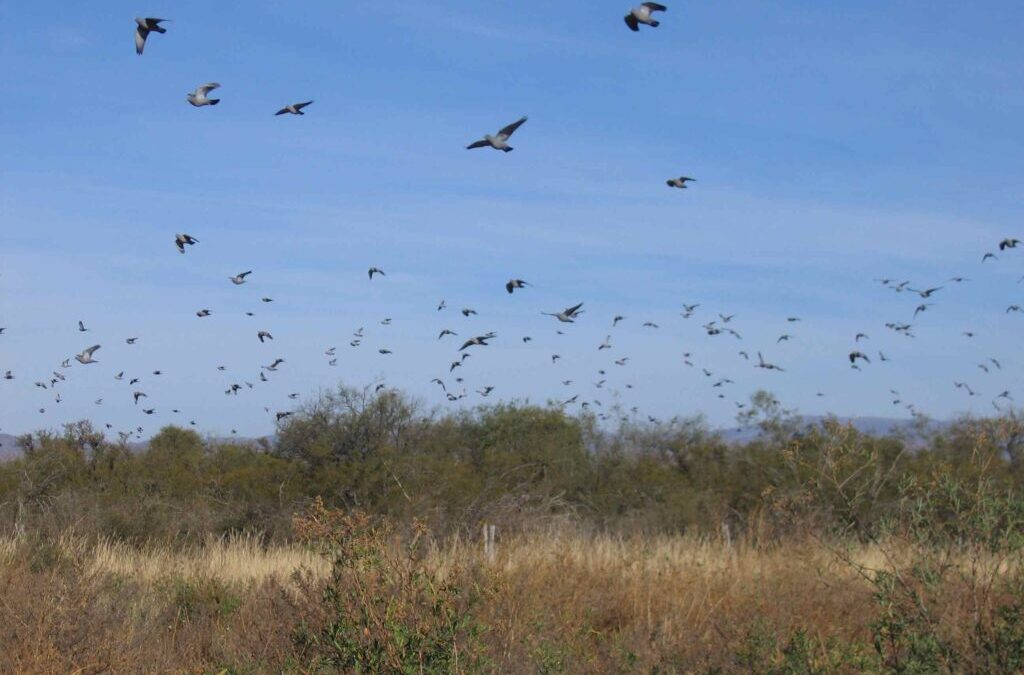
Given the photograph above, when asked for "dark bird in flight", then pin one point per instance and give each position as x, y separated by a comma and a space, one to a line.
142, 30
858, 355
293, 109
375, 270
965, 387
86, 356
680, 182
513, 284
927, 293
567, 315
500, 140
1008, 243
767, 366
183, 240
479, 340
199, 97
642, 15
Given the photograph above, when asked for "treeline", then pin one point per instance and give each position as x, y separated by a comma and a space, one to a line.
519, 466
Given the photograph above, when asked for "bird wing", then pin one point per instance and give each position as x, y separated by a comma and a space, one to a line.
300, 106
140, 39
506, 132
654, 7
204, 89
632, 23
509, 286
572, 310
282, 111
90, 350
478, 144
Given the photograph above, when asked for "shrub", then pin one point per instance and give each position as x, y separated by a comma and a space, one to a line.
387, 611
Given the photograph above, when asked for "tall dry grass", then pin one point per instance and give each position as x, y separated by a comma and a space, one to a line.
557, 601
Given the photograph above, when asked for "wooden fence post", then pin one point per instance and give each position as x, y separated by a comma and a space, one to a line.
490, 542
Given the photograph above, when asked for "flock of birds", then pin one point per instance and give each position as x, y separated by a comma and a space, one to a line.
453, 387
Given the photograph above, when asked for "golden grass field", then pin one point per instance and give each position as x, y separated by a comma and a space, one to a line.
558, 601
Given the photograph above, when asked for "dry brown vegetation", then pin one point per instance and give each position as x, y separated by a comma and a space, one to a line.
557, 601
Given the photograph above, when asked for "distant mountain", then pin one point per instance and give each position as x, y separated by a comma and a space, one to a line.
9, 444
872, 426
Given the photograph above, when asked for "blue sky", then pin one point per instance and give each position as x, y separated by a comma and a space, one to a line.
832, 145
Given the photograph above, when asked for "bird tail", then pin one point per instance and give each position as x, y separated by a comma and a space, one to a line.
214, 101
655, 24
508, 149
